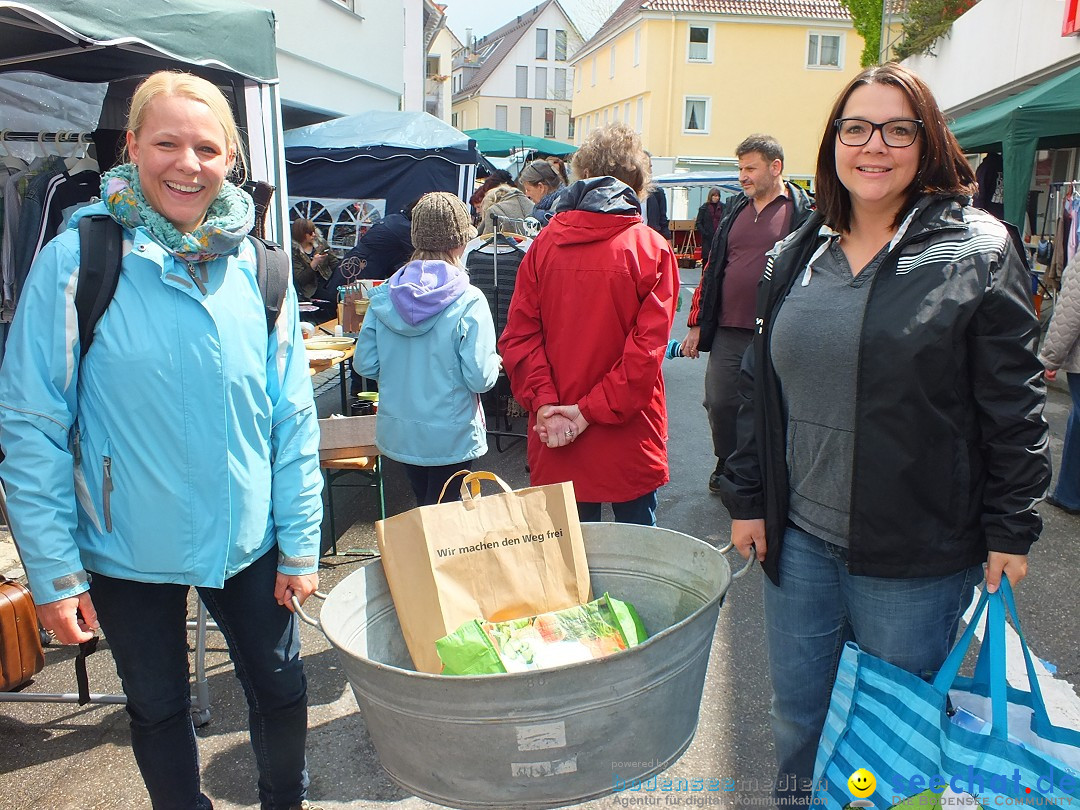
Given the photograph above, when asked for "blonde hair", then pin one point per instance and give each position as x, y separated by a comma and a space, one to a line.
497, 195
170, 83
436, 256
615, 151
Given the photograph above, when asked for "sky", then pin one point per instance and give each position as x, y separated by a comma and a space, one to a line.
484, 16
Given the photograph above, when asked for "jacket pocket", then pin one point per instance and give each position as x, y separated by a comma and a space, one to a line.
82, 488
107, 486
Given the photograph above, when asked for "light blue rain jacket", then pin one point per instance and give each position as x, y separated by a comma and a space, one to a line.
430, 377
185, 444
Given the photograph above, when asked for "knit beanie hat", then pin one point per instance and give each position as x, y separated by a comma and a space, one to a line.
441, 222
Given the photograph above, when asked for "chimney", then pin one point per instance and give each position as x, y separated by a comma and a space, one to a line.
468, 41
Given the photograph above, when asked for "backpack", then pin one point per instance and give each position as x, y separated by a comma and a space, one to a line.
100, 244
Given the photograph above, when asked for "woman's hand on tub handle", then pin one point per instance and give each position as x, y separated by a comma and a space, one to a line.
299, 611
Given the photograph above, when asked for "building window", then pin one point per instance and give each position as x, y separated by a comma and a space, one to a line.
560, 83
560, 45
541, 43
526, 121
605, 117
615, 114
570, 130
522, 82
696, 115
823, 50
626, 113
700, 46
453, 120
432, 66
549, 122
640, 114
611, 69
541, 88
500, 116
637, 47
594, 71
346, 3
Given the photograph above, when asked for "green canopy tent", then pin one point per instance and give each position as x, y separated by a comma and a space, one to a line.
1042, 117
226, 41
498, 143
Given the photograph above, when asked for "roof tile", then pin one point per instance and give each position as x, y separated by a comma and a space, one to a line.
807, 9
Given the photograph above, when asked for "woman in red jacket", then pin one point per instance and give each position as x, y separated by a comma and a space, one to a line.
585, 337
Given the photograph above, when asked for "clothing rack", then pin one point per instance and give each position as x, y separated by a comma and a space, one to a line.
63, 136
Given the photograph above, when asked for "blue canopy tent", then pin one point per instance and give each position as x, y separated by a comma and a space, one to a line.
348, 173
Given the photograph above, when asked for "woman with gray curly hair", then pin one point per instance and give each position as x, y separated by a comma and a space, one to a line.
590, 318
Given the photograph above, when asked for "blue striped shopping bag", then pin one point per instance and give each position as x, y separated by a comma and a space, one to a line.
955, 742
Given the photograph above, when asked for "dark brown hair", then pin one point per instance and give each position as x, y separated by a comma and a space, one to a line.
765, 145
942, 165
301, 228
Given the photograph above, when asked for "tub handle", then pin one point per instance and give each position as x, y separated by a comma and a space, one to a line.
299, 611
749, 563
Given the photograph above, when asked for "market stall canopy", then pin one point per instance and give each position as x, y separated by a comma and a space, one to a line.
499, 143
99, 42
408, 130
727, 181
348, 173
1042, 117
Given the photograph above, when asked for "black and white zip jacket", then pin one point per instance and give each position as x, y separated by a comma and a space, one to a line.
951, 446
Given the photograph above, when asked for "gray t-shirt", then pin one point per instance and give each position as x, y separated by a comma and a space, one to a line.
815, 348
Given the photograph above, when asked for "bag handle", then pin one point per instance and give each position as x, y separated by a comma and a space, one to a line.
985, 670
470, 484
990, 668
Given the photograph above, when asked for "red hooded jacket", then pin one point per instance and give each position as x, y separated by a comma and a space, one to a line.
592, 310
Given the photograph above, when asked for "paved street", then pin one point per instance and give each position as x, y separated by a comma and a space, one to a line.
62, 757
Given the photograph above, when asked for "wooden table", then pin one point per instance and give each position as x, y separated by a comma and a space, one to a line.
342, 361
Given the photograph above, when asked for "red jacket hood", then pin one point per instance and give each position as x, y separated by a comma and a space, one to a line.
583, 227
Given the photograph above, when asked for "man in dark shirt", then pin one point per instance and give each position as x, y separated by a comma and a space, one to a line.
722, 312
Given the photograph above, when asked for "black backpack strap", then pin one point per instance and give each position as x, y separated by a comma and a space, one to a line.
100, 244
274, 269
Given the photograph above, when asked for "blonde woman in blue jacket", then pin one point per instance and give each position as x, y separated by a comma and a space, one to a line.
180, 451
429, 340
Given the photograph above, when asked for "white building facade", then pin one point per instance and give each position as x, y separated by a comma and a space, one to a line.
518, 78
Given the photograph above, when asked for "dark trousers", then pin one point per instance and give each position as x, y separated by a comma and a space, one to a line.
145, 627
641, 511
428, 482
722, 386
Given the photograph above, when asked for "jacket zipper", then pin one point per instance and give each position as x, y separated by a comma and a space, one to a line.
892, 258
76, 449
107, 488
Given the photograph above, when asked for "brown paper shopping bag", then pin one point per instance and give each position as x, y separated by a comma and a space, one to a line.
497, 557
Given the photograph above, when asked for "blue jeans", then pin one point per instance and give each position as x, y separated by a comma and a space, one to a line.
641, 511
144, 625
1067, 489
819, 607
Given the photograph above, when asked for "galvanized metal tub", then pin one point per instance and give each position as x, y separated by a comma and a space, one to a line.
552, 737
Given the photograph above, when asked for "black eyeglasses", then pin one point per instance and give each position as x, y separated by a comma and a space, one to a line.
898, 133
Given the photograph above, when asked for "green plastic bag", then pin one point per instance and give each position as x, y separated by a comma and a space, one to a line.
594, 630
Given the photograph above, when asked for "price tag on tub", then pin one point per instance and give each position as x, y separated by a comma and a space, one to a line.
538, 736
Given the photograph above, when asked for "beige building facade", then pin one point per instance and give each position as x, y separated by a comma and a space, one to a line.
695, 77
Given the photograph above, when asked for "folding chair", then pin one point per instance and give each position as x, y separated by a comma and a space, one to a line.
346, 447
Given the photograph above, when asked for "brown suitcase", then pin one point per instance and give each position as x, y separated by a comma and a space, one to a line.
21, 656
